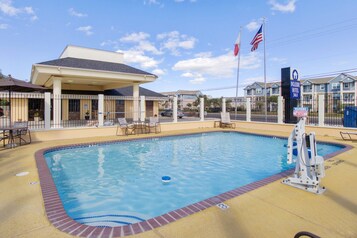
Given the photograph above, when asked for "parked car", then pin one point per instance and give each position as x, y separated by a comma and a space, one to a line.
169, 113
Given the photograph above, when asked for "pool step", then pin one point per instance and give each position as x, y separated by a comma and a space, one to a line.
109, 220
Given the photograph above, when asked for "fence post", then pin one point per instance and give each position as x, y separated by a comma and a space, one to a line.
224, 105
248, 106
174, 111
101, 109
202, 109
280, 109
321, 110
47, 110
142, 108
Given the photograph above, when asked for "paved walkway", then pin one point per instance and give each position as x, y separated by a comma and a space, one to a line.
275, 210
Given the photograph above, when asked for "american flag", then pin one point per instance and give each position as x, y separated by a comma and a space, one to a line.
257, 39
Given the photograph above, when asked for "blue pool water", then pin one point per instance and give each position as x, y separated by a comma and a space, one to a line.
120, 183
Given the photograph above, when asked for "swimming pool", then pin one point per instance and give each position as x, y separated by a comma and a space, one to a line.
116, 184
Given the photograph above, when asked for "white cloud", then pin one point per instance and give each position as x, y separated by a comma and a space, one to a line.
138, 57
278, 60
223, 66
159, 72
288, 7
149, 2
3, 26
174, 41
86, 30
135, 37
203, 54
140, 38
74, 13
253, 25
248, 81
187, 75
198, 80
7, 8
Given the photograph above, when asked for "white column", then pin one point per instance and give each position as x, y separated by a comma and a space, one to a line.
57, 91
47, 110
248, 106
224, 105
321, 110
341, 92
136, 101
142, 108
280, 109
202, 109
174, 109
100, 109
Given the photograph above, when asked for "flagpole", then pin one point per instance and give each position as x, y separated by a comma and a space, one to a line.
265, 73
235, 110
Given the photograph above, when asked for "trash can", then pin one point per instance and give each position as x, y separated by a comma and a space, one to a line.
350, 117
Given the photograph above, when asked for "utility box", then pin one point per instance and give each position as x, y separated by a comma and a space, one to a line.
350, 117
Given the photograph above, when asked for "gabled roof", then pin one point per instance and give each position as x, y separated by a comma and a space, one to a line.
321, 80
94, 65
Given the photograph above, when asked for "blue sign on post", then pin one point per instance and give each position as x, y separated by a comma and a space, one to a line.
294, 85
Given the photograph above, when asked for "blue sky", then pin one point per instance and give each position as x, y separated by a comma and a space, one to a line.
187, 43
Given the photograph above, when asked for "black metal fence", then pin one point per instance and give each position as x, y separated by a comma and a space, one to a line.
22, 107
333, 109
258, 112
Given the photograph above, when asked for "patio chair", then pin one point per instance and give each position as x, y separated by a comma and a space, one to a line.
347, 135
125, 126
154, 124
23, 133
3, 137
226, 120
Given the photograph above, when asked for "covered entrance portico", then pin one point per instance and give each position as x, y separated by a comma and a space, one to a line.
83, 69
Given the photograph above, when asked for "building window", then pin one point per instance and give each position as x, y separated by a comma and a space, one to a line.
335, 86
258, 91
322, 86
346, 85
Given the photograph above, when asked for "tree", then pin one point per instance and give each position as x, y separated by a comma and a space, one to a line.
273, 99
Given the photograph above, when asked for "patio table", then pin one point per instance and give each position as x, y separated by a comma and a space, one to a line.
10, 129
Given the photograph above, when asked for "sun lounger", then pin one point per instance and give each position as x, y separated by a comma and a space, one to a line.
347, 135
226, 120
125, 126
154, 124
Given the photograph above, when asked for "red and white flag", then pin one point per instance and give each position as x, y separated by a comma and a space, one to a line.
237, 46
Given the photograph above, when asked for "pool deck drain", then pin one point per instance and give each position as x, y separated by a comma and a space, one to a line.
273, 210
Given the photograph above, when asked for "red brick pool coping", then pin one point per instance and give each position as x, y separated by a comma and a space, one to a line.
59, 218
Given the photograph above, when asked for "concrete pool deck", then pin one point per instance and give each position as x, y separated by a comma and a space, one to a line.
274, 210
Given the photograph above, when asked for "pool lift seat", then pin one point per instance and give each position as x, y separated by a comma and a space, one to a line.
309, 167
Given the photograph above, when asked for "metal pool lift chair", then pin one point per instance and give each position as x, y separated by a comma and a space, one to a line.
309, 168
226, 121
154, 124
125, 126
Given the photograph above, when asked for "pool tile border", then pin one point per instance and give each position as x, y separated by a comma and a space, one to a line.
59, 218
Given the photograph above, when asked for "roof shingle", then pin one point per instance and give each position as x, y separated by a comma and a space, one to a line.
95, 65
